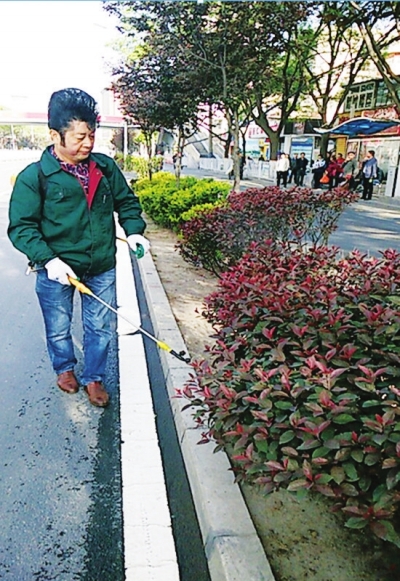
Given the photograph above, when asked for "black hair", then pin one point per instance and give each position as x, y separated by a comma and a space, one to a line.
69, 105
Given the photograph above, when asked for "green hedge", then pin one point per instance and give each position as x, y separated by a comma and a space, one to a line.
168, 205
139, 164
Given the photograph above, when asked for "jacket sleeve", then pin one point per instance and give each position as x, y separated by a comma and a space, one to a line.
25, 214
126, 203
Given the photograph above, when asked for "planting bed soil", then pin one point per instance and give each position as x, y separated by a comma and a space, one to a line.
303, 540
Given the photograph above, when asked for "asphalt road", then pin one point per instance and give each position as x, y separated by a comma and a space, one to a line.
60, 501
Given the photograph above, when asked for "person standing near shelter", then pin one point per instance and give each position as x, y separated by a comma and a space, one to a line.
301, 167
282, 170
349, 170
334, 170
318, 170
369, 173
61, 217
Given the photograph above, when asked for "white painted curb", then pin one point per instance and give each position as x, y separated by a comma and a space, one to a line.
232, 546
149, 548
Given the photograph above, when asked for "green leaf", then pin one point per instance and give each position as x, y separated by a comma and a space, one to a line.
393, 478
342, 454
371, 459
379, 438
298, 484
283, 405
308, 445
356, 522
321, 452
261, 445
364, 483
287, 437
379, 492
338, 474
343, 419
351, 471
324, 479
370, 387
385, 530
289, 451
329, 433
369, 403
394, 299
365, 339
357, 455
349, 489
332, 444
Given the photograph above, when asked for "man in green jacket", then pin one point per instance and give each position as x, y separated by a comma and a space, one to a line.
61, 217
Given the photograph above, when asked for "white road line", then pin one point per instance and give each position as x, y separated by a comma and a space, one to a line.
149, 545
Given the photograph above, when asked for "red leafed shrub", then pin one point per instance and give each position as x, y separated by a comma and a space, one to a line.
302, 385
217, 238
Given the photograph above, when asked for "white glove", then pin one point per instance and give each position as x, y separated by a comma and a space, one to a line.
57, 270
135, 241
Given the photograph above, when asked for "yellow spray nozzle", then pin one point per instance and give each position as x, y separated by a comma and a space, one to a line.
80, 286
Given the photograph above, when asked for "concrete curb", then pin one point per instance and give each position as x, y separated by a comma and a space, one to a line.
232, 547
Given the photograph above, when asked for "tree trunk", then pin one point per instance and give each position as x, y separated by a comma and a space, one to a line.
210, 132
148, 137
227, 144
323, 148
274, 145
233, 120
178, 163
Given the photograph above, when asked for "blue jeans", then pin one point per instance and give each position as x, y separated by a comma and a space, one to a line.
99, 323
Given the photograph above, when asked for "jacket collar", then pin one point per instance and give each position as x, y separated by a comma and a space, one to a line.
50, 165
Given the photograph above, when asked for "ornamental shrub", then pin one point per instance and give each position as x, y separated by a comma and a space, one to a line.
139, 164
166, 204
217, 238
302, 385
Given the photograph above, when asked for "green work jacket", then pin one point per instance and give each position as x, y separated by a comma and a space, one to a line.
58, 222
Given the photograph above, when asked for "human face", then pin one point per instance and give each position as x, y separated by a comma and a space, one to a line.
77, 144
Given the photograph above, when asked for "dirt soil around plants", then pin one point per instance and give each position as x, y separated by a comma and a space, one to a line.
303, 539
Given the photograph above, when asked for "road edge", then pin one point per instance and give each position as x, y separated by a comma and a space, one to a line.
232, 547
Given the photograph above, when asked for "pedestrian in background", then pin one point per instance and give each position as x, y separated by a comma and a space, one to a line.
301, 168
61, 217
282, 170
334, 170
349, 170
370, 173
318, 170
292, 170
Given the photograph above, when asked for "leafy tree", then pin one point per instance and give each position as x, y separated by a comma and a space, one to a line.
379, 26
280, 91
221, 47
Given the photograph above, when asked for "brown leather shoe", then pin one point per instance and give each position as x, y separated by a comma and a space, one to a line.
68, 382
97, 394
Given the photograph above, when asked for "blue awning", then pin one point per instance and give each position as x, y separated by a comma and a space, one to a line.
361, 126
